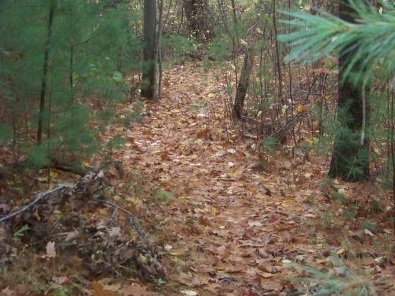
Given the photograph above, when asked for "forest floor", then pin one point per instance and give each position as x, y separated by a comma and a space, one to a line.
232, 229
229, 227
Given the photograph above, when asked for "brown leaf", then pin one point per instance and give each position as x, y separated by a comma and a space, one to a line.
205, 221
100, 291
266, 275
234, 269
7, 292
135, 290
263, 266
204, 134
164, 155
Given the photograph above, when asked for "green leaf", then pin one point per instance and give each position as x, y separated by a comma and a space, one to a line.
6, 133
118, 77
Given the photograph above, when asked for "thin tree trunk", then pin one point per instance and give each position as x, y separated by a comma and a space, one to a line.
350, 157
242, 87
159, 49
278, 60
149, 67
234, 12
45, 73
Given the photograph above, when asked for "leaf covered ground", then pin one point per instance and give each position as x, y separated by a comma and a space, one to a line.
231, 229
227, 226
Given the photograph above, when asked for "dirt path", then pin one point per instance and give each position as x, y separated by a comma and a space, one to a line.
230, 227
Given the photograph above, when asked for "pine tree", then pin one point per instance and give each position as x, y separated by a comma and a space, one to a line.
350, 156
62, 68
363, 46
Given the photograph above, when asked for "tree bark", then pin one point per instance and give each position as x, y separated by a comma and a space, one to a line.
149, 66
45, 73
242, 87
158, 49
350, 156
198, 17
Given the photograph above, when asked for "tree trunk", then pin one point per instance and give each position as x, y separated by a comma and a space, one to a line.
198, 17
149, 67
244, 82
350, 157
158, 49
45, 73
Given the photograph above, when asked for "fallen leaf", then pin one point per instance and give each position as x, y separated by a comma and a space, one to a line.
254, 223
205, 221
135, 290
7, 292
189, 292
60, 280
50, 248
101, 291
266, 275
323, 261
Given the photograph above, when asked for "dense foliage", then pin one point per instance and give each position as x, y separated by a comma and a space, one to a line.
91, 46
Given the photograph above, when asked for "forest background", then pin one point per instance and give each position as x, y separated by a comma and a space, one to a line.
295, 81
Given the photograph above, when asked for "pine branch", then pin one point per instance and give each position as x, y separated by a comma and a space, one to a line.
372, 38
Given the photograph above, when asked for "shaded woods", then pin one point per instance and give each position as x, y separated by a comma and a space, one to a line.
196, 147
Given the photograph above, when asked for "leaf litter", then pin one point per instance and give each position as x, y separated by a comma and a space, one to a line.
225, 228
231, 228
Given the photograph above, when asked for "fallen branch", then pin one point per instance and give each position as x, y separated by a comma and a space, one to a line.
101, 246
89, 184
132, 219
39, 197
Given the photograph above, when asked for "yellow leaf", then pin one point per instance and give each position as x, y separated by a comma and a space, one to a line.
164, 180
103, 212
266, 275
85, 164
142, 259
301, 108
323, 261
312, 140
52, 174
213, 210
